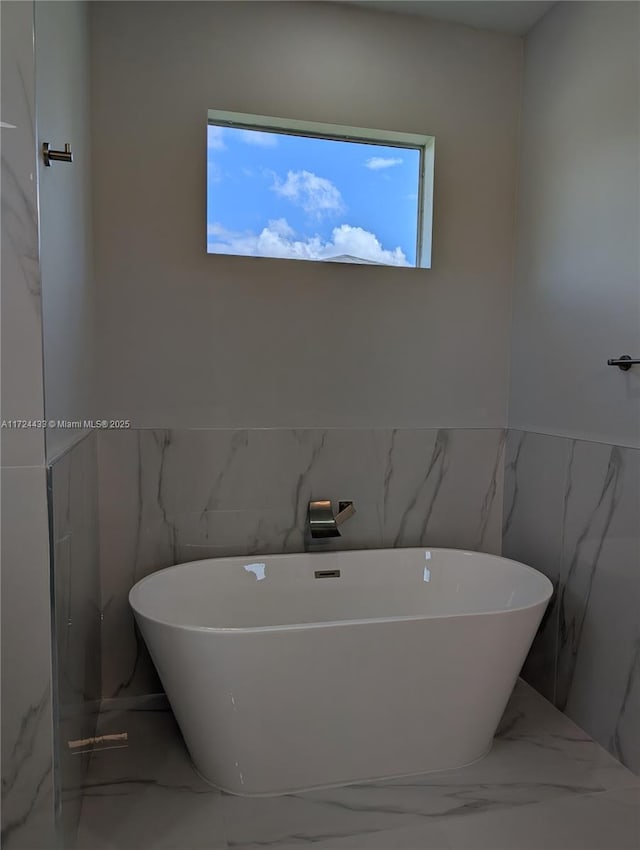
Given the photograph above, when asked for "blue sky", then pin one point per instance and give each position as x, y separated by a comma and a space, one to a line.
271, 194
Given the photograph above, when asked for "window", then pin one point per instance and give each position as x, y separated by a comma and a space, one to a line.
307, 191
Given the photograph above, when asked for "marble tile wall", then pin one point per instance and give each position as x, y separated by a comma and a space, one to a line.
27, 724
178, 495
27, 727
76, 587
21, 294
572, 510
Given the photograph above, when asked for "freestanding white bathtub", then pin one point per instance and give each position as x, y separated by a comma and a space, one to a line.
289, 672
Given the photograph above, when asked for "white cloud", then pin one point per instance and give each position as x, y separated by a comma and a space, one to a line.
316, 195
375, 163
366, 245
278, 239
215, 140
281, 227
258, 138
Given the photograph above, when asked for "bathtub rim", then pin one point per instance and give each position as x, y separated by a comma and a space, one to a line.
281, 627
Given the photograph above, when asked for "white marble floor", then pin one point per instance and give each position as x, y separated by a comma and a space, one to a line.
544, 786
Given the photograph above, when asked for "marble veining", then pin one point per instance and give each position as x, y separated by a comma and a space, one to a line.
429, 485
571, 510
533, 531
37, 797
76, 590
512, 478
22, 394
239, 442
626, 726
180, 495
23, 746
580, 572
19, 206
26, 776
427, 500
27, 727
148, 795
495, 487
27, 724
27, 780
19, 213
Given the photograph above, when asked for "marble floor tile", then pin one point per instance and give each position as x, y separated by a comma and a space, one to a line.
300, 819
538, 755
530, 717
147, 795
425, 835
128, 817
604, 821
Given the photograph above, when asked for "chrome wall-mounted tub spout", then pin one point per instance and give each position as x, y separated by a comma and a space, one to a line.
323, 522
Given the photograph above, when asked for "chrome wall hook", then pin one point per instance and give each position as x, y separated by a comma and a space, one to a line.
50, 156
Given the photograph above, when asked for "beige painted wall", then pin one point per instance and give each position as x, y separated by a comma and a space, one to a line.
577, 292
196, 340
62, 99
